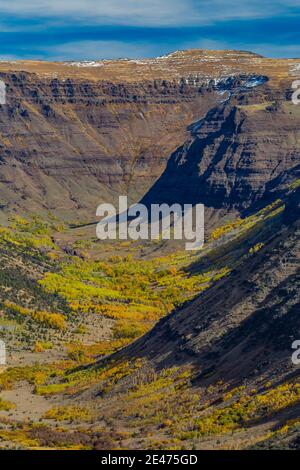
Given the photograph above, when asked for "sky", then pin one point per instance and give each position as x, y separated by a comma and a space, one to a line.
104, 29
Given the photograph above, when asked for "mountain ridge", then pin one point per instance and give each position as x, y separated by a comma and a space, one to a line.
207, 63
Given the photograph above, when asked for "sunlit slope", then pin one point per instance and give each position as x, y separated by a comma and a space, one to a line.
205, 64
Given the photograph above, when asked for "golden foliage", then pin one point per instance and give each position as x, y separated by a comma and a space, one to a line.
52, 320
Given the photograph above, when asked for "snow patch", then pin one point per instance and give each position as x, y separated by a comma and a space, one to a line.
295, 68
254, 82
85, 63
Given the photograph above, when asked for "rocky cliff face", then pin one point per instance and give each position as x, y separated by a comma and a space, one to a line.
236, 155
68, 145
76, 134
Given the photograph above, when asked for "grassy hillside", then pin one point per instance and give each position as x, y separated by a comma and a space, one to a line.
65, 310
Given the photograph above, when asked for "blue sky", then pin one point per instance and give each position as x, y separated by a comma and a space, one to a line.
98, 29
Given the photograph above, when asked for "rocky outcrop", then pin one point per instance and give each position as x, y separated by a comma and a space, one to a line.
77, 134
236, 156
67, 145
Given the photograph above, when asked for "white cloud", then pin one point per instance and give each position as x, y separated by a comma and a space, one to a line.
123, 12
146, 12
97, 50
